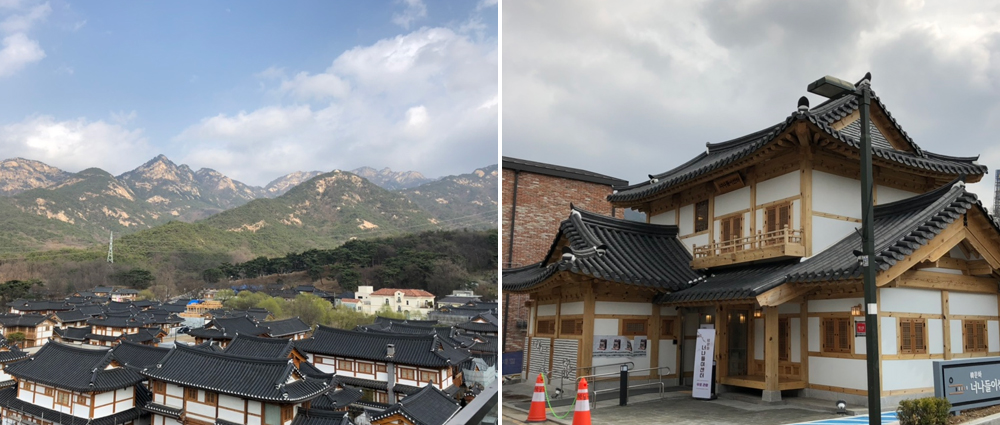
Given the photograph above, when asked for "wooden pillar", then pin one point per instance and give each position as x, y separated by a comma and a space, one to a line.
653, 342
587, 342
771, 391
805, 186
722, 342
946, 324
804, 340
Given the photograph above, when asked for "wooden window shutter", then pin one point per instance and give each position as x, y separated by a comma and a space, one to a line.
906, 336
919, 344
783, 213
970, 336
770, 219
843, 335
829, 335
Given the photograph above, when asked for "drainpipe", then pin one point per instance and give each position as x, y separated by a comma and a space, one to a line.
510, 259
390, 370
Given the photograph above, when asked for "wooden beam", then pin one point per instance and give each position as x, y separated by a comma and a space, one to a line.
946, 324
944, 281
937, 247
945, 263
784, 293
979, 268
771, 348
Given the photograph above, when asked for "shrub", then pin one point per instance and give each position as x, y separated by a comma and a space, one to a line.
923, 411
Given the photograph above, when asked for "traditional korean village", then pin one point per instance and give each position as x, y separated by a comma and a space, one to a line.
249, 212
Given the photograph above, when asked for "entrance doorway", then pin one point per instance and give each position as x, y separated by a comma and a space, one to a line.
738, 326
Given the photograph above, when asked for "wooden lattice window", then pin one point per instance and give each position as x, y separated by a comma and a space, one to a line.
975, 336
365, 367
701, 216
62, 398
912, 336
405, 373
632, 327
211, 398
784, 340
546, 327
777, 217
345, 365
159, 387
571, 327
730, 231
667, 328
837, 335
191, 394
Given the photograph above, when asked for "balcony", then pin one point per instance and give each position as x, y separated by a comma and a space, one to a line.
777, 244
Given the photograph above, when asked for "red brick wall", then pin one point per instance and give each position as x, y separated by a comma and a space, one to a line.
542, 203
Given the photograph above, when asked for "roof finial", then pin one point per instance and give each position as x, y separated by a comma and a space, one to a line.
803, 104
867, 79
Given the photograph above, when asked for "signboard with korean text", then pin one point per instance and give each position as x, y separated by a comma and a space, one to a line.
619, 346
703, 353
968, 383
860, 329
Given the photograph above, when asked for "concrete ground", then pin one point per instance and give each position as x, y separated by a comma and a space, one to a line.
674, 407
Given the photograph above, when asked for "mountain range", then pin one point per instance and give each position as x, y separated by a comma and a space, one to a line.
44, 207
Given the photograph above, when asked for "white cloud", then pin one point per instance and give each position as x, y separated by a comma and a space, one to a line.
483, 4
23, 22
76, 144
122, 117
415, 9
18, 51
423, 101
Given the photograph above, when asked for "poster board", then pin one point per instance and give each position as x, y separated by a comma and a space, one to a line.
703, 353
620, 346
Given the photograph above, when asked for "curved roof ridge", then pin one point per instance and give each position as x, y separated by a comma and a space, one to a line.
226, 356
919, 201
952, 158
380, 335
739, 141
626, 225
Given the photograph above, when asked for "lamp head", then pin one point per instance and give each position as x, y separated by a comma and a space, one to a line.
831, 87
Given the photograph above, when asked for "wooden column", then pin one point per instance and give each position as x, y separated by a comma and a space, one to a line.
587, 342
653, 342
722, 342
771, 391
804, 340
946, 324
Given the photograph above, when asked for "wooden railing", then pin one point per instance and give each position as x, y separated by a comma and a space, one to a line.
782, 236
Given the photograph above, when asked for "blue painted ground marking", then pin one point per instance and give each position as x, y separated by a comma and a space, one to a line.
863, 419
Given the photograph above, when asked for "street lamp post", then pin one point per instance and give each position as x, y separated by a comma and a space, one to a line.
834, 88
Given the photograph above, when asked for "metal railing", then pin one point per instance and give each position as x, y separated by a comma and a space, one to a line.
564, 373
783, 236
594, 383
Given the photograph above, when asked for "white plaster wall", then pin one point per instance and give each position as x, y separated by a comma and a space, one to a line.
685, 224
813, 334
668, 356
758, 339
832, 371
836, 195
887, 333
699, 240
935, 336
228, 415
796, 215
614, 307
668, 311
834, 306
81, 410
605, 326
957, 344
885, 195
907, 374
789, 308
572, 308
253, 407
972, 304
828, 231
231, 402
104, 398
910, 300
795, 326
103, 411
993, 335
733, 201
668, 217
546, 310
781, 187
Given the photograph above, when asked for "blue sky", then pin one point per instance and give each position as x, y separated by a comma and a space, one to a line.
254, 90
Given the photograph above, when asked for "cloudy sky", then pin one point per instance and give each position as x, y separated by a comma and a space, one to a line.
253, 89
636, 88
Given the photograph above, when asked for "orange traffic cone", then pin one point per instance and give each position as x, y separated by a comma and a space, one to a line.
581, 416
537, 412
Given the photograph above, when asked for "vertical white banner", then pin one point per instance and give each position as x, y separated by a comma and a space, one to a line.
703, 353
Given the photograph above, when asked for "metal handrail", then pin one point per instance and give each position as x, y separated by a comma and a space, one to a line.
564, 372
659, 376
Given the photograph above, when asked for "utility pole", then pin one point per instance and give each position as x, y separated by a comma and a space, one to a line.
111, 248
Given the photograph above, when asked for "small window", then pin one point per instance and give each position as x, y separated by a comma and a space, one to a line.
571, 327
701, 216
159, 387
784, 342
405, 373
912, 336
272, 415
975, 336
49, 391
667, 328
211, 398
731, 232
777, 218
380, 368
345, 366
632, 327
364, 367
546, 327
837, 335
62, 398
191, 394
287, 412
426, 377
82, 399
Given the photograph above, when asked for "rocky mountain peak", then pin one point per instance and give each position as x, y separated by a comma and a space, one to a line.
18, 175
280, 185
392, 180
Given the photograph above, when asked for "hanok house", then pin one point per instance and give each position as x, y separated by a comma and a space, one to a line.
223, 330
384, 366
62, 384
109, 329
36, 328
429, 406
9, 353
320, 417
194, 386
293, 328
757, 238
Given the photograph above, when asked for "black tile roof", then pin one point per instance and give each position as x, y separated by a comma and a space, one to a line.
10, 352
718, 156
260, 347
118, 321
375, 385
73, 334
560, 171
22, 320
389, 321
9, 400
334, 400
617, 250
226, 328
144, 335
900, 228
244, 377
138, 356
27, 305
163, 410
478, 327
286, 327
310, 370
305, 416
430, 406
70, 316
416, 350
72, 368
